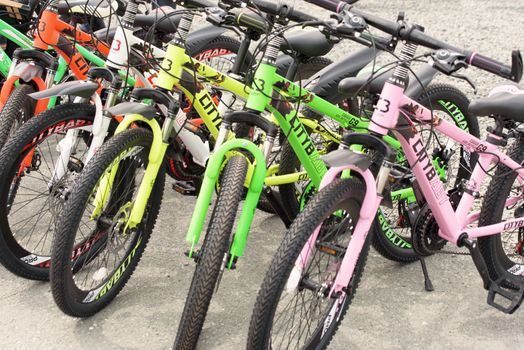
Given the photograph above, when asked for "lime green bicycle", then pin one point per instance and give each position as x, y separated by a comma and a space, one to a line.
130, 182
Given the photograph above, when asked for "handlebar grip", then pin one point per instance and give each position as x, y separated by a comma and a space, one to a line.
252, 21
330, 5
299, 16
485, 63
274, 8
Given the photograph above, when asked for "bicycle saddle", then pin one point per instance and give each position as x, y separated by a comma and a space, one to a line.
164, 22
309, 43
506, 101
103, 7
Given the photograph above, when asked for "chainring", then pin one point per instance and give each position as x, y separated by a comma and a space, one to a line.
426, 240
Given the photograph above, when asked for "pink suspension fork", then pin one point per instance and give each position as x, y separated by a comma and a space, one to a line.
366, 216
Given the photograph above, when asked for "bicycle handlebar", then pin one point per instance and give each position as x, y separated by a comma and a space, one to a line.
283, 10
414, 34
332, 5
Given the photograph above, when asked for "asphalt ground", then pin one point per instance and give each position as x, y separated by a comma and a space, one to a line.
391, 309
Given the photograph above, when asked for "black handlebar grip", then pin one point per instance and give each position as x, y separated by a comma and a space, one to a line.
495, 67
516, 66
275, 9
252, 21
332, 5
266, 6
299, 16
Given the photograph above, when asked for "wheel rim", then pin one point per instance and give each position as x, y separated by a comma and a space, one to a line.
34, 198
104, 246
316, 311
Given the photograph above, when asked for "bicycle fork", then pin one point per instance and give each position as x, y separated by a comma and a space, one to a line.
155, 157
254, 180
370, 205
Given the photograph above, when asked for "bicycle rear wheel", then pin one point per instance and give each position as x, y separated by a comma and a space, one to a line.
504, 252
291, 314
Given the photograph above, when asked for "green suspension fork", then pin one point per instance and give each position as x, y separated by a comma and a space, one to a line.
208, 186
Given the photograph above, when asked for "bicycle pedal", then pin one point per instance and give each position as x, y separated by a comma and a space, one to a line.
195, 256
513, 297
185, 188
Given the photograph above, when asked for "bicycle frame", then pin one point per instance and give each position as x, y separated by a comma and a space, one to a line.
118, 58
23, 41
53, 32
396, 110
17, 37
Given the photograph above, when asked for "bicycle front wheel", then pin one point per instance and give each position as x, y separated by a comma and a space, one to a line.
37, 178
94, 252
291, 314
212, 254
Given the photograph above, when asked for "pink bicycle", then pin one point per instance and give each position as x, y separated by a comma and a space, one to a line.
317, 268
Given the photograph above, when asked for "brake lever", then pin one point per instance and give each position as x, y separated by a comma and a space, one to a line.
467, 79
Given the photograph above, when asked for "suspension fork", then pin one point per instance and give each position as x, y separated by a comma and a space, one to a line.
155, 157
208, 185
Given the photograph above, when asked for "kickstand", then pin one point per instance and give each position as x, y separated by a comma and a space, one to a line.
428, 286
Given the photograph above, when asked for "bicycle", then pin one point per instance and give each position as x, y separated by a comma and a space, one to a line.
331, 234
246, 166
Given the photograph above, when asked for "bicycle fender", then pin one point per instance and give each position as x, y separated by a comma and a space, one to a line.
27, 71
148, 112
84, 89
198, 39
345, 157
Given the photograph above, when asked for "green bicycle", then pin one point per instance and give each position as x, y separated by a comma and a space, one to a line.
118, 194
246, 168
